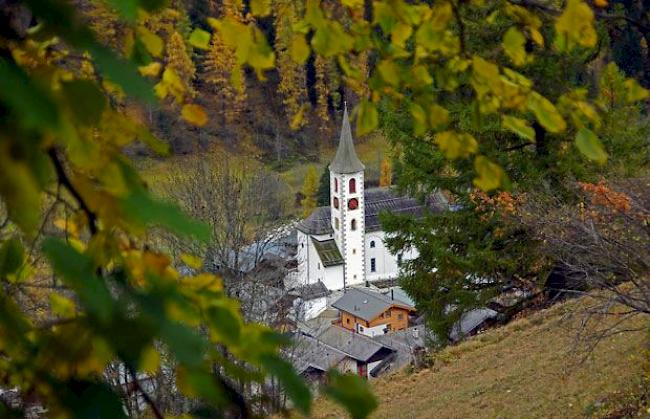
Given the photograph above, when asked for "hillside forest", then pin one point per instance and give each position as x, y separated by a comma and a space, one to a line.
146, 145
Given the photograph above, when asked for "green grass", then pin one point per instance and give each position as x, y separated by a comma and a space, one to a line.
529, 368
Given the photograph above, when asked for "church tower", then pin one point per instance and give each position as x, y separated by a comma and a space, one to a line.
347, 206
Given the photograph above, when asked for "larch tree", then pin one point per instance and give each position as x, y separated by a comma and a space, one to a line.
385, 172
309, 189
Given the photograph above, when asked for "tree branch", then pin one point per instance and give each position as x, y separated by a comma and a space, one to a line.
65, 181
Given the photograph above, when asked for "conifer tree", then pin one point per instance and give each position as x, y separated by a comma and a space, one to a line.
292, 84
178, 58
324, 188
309, 189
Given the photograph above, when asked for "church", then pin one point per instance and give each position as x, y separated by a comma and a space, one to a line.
342, 245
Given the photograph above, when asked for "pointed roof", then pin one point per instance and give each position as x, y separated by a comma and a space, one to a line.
346, 160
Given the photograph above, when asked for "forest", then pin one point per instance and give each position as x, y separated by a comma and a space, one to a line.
146, 146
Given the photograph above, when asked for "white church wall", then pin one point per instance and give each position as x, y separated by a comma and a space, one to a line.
352, 247
333, 277
386, 263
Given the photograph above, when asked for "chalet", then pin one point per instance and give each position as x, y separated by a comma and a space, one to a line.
339, 349
372, 313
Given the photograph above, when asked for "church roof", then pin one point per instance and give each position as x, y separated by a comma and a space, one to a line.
328, 252
346, 160
376, 201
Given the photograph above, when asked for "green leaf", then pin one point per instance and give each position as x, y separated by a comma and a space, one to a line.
123, 73
29, 103
151, 41
546, 113
367, 118
518, 126
351, 392
85, 100
514, 43
200, 39
144, 210
127, 8
384, 16
490, 175
78, 272
589, 145
12, 256
291, 382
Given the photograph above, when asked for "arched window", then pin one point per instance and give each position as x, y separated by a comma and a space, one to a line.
336, 184
336, 223
372, 243
353, 185
336, 202
353, 224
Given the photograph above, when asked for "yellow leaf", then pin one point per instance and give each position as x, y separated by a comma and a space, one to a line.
194, 114
546, 113
149, 360
62, 306
299, 49
634, 92
260, 7
389, 71
490, 175
419, 119
192, 261
514, 43
456, 145
575, 27
200, 39
589, 145
401, 33
151, 41
518, 126
438, 116
150, 70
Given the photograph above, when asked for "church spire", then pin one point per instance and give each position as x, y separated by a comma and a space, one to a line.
346, 160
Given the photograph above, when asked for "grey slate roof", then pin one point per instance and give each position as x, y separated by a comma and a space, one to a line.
398, 293
328, 252
357, 346
346, 160
366, 304
311, 291
311, 352
470, 321
376, 200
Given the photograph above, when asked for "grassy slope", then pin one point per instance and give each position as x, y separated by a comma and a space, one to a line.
525, 369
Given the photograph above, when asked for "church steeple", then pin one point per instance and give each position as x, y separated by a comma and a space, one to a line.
346, 160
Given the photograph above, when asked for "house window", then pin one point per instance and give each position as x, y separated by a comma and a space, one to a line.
360, 328
319, 266
336, 202
353, 224
353, 185
354, 251
336, 223
400, 316
336, 184
347, 320
399, 259
373, 265
372, 244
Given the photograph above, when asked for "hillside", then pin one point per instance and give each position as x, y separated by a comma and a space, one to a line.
529, 368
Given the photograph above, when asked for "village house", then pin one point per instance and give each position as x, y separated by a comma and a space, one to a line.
372, 313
